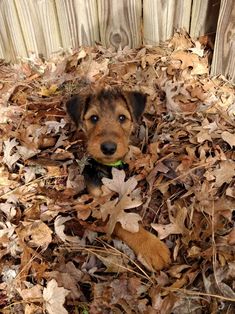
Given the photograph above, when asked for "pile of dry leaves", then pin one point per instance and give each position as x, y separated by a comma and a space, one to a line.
55, 254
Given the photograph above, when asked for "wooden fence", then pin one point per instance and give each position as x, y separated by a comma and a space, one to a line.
46, 27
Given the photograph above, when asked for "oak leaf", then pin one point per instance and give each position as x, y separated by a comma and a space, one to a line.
176, 226
118, 183
225, 173
10, 157
128, 198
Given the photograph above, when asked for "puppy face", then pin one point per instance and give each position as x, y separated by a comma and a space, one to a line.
107, 118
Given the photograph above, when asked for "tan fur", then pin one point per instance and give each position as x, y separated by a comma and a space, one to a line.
152, 252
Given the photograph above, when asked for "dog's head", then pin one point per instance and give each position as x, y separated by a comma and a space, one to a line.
107, 118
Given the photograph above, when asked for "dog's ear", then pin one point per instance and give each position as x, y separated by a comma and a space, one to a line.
76, 107
136, 102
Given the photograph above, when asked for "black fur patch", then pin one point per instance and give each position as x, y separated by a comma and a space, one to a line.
137, 102
76, 107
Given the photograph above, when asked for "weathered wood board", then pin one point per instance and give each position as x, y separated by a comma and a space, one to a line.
224, 53
78, 22
204, 17
50, 26
120, 22
12, 40
160, 18
30, 23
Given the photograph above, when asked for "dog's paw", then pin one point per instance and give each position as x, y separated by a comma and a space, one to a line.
152, 252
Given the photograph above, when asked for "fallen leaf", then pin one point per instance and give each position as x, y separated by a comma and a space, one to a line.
229, 138
129, 221
177, 225
118, 183
31, 294
54, 298
47, 92
197, 49
10, 157
224, 173
36, 234
59, 230
115, 209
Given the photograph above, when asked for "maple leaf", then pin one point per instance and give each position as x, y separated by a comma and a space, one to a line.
10, 158
54, 298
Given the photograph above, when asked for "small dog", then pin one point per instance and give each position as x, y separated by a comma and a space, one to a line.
107, 118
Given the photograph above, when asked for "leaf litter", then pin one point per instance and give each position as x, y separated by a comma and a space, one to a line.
56, 251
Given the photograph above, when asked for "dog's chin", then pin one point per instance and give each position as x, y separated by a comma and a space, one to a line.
108, 159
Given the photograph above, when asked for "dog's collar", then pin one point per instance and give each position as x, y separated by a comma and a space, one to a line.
116, 164
113, 164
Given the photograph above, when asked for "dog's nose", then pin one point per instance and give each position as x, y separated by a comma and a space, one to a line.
108, 148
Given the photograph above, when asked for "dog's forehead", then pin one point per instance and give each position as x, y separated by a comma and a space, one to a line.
107, 101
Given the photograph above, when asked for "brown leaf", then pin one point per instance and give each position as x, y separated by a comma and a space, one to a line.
118, 183
31, 294
225, 173
36, 234
229, 138
59, 229
177, 225
10, 157
231, 237
115, 209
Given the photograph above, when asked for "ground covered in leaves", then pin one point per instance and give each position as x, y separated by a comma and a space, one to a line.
55, 252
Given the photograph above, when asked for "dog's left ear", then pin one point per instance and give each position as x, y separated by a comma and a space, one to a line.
136, 102
76, 108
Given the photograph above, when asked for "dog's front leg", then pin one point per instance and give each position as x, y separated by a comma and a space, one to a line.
150, 250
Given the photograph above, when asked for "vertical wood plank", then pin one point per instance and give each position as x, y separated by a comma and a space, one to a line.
6, 49
224, 53
204, 17
120, 22
11, 32
49, 23
78, 21
161, 17
183, 14
31, 26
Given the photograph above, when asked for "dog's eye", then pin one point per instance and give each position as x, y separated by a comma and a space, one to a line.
94, 119
122, 118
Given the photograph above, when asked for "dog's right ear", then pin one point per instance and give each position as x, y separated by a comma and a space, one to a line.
76, 108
